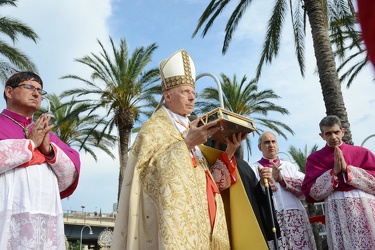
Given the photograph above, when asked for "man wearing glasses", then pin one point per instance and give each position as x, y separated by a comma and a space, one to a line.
37, 170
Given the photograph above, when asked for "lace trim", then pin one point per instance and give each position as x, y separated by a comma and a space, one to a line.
36, 231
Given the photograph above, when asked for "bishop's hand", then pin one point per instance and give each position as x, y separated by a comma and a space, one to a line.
199, 135
276, 171
40, 134
233, 143
265, 174
339, 162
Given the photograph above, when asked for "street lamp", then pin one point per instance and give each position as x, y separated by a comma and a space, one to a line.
49, 112
83, 207
49, 108
290, 160
80, 243
368, 137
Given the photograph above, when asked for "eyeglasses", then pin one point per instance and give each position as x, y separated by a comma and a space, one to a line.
187, 92
32, 88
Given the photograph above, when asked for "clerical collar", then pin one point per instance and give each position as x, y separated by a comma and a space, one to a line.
20, 120
335, 146
24, 121
182, 120
268, 162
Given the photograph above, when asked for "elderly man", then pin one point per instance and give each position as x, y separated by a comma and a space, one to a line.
285, 181
344, 177
36, 169
169, 199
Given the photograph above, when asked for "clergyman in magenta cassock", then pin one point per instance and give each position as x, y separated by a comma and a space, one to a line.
349, 194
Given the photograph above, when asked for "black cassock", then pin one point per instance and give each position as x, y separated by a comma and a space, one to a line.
258, 200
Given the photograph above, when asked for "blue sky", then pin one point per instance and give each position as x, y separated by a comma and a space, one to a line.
69, 29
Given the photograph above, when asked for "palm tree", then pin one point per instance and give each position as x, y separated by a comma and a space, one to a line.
243, 98
120, 88
354, 69
347, 40
300, 158
13, 59
318, 13
78, 129
352, 64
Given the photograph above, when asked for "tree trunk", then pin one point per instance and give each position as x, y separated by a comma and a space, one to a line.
312, 212
124, 123
328, 75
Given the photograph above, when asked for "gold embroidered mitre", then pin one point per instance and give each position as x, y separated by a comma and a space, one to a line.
177, 70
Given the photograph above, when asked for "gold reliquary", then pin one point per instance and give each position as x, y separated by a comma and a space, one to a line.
230, 123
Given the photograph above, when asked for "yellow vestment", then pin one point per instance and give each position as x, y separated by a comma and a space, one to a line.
244, 230
163, 202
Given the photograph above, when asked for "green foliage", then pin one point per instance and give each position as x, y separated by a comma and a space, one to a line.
325, 17
77, 128
74, 245
339, 18
122, 86
119, 92
300, 157
15, 59
242, 97
347, 42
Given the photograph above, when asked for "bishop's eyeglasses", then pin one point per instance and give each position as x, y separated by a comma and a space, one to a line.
32, 88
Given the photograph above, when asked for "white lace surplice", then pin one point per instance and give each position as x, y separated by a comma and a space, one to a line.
30, 208
295, 228
349, 215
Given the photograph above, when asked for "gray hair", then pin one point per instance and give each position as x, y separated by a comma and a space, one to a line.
329, 121
263, 134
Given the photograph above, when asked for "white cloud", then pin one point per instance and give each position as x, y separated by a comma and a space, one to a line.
66, 30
